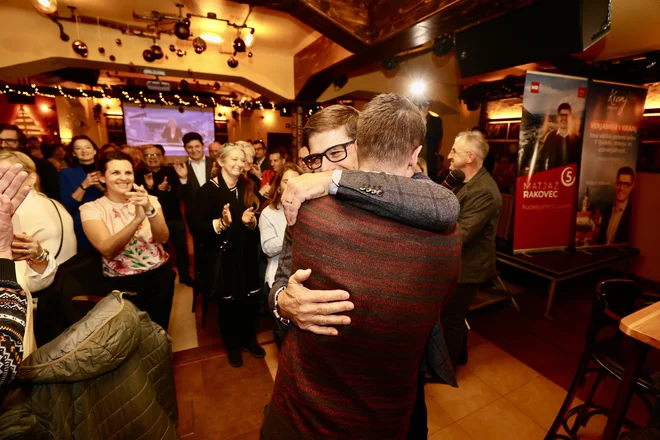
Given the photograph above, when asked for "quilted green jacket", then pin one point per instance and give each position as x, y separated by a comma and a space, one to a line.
109, 376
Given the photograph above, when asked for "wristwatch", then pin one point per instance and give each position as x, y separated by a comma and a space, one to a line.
82, 187
151, 213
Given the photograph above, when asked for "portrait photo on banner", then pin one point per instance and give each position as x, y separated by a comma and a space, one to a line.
609, 157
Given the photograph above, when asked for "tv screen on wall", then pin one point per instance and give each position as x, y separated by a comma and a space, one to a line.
166, 126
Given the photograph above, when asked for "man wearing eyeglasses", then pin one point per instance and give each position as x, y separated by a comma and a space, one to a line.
163, 182
261, 162
363, 383
615, 223
12, 137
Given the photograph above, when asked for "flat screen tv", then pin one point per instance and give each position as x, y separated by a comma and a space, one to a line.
166, 126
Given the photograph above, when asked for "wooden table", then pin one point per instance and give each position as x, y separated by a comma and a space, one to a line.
558, 265
643, 327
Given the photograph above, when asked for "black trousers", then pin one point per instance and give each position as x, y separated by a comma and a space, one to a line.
180, 243
154, 292
453, 316
418, 428
238, 320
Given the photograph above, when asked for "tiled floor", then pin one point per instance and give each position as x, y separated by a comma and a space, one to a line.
511, 388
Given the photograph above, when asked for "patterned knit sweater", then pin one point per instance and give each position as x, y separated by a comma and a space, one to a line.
13, 316
361, 384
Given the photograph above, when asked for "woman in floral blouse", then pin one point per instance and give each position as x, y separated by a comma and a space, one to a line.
128, 228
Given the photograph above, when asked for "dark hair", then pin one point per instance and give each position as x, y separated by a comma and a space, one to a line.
192, 136
21, 136
276, 198
259, 141
279, 151
390, 128
626, 171
160, 147
564, 106
113, 155
73, 143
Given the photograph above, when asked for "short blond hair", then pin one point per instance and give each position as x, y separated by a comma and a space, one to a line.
248, 149
331, 118
474, 142
13, 157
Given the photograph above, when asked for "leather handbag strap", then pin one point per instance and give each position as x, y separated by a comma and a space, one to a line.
61, 229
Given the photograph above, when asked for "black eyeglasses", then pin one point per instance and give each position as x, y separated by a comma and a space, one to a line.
334, 154
10, 142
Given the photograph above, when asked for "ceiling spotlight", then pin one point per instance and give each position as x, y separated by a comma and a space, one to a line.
239, 44
418, 88
157, 52
442, 45
216, 86
211, 38
391, 63
180, 53
249, 54
182, 30
172, 48
148, 56
199, 44
232, 62
249, 39
45, 6
118, 41
340, 81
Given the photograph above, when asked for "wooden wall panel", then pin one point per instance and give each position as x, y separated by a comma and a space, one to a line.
316, 57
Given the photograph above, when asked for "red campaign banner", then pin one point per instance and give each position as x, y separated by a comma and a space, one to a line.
549, 152
546, 202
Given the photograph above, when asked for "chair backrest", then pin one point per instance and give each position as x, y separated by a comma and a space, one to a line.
619, 297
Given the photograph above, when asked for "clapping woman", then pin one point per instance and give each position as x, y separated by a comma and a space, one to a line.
81, 183
223, 219
128, 228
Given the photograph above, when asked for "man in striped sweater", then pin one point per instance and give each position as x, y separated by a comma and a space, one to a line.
362, 383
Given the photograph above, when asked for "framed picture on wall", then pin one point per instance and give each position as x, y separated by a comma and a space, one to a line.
497, 130
514, 131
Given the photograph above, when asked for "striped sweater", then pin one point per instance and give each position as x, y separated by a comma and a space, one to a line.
13, 317
361, 384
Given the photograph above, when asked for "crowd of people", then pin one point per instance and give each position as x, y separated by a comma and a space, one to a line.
260, 242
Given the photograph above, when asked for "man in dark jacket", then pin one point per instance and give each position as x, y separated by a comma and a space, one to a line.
615, 224
481, 203
162, 181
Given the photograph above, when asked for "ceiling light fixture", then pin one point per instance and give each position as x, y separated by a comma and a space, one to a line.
418, 88
45, 6
239, 44
211, 38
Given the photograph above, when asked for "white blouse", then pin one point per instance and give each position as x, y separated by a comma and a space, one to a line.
272, 225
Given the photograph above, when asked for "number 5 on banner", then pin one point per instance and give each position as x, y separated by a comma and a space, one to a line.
567, 177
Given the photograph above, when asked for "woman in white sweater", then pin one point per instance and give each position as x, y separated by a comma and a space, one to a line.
272, 225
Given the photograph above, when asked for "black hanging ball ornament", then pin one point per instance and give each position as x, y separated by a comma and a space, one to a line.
157, 52
112, 58
183, 85
199, 44
180, 109
101, 50
180, 53
182, 30
172, 48
216, 86
148, 55
232, 62
118, 41
249, 54
80, 48
239, 44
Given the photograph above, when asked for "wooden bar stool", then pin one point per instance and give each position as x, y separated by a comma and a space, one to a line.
614, 299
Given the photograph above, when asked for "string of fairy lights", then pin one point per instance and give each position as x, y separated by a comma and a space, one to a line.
140, 97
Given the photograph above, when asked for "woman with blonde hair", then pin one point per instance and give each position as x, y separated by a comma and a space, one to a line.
223, 220
42, 218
